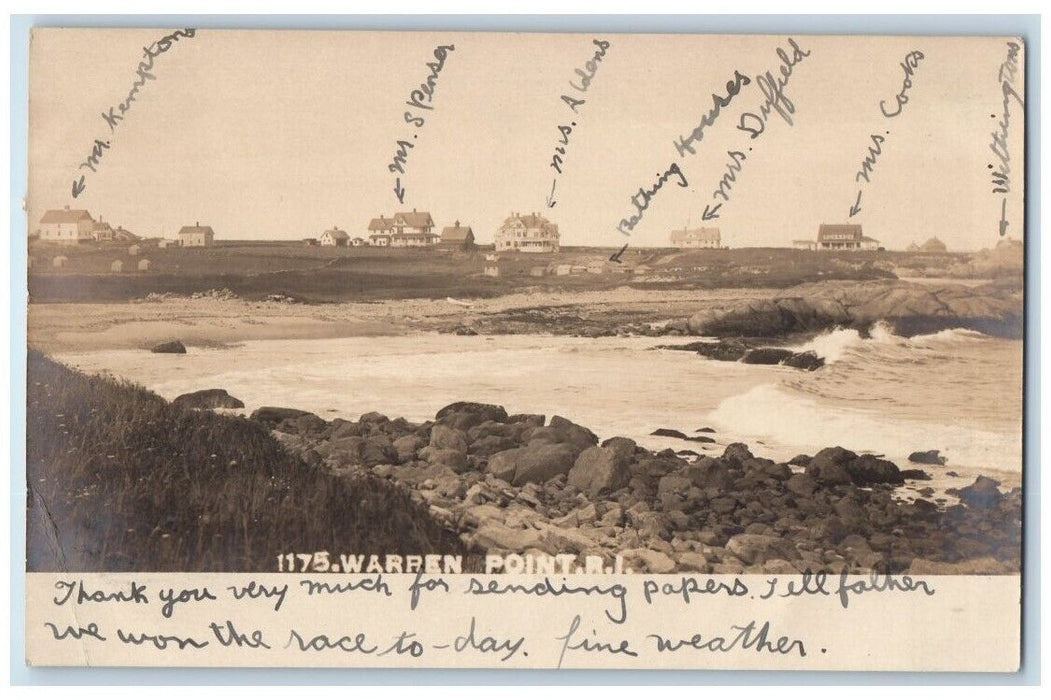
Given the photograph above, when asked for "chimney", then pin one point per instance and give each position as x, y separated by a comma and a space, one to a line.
414, 210
197, 224
457, 224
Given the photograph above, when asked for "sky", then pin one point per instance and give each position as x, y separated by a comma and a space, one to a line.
284, 134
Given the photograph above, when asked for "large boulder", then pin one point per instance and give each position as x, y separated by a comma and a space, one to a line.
868, 469
766, 356
829, 466
446, 438
983, 493
572, 433
463, 415
367, 451
173, 347
601, 470
272, 416
927, 457
535, 463
208, 398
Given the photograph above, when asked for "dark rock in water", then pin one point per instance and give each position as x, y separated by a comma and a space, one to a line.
704, 430
174, 347
868, 469
702, 439
730, 351
208, 398
829, 466
271, 416
952, 474
466, 414
800, 460
687, 453
805, 360
668, 432
927, 457
915, 475
766, 356
465, 330
983, 493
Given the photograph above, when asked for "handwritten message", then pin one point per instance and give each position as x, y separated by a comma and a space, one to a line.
574, 101
1000, 173
814, 621
421, 101
116, 114
890, 109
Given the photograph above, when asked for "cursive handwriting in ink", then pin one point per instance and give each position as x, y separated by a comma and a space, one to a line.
747, 637
421, 98
136, 593
684, 144
570, 642
641, 199
485, 644
496, 586
586, 74
753, 123
115, 115
908, 66
1000, 175
875, 148
92, 630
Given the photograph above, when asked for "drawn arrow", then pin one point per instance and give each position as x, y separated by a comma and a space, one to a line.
551, 197
1003, 218
399, 191
711, 212
616, 256
78, 187
857, 205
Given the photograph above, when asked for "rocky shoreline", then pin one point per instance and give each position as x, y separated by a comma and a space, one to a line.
527, 485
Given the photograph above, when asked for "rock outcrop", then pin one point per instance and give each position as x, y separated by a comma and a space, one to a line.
174, 347
208, 398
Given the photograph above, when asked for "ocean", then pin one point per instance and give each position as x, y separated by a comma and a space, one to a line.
956, 391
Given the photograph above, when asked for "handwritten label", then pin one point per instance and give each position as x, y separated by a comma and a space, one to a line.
421, 100
1000, 174
116, 115
478, 620
584, 77
890, 109
773, 85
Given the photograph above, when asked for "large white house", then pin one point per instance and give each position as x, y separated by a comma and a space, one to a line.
697, 238
527, 233
196, 236
335, 236
67, 226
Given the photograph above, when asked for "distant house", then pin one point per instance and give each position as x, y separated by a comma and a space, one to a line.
168, 243
66, 226
134, 250
697, 238
538, 271
102, 232
123, 235
59, 261
196, 236
310, 242
527, 233
492, 270
844, 237
413, 229
144, 265
804, 245
380, 230
563, 269
492, 257
358, 241
116, 266
933, 245
335, 237
457, 236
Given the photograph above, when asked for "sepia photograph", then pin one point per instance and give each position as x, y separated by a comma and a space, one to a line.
575, 307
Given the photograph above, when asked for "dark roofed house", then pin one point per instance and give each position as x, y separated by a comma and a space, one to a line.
413, 229
457, 236
124, 235
103, 232
380, 230
335, 237
844, 237
196, 236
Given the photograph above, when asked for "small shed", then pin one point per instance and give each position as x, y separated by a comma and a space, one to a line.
492, 270
59, 261
537, 271
492, 257
563, 270
144, 265
117, 266
134, 250
310, 242
168, 243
